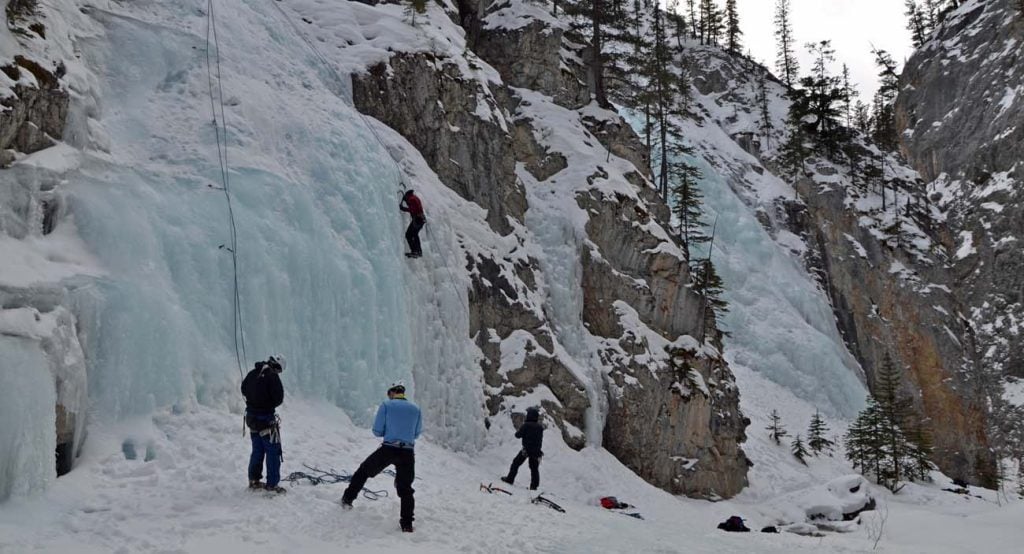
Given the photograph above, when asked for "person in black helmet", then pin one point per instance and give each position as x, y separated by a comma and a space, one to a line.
532, 433
263, 393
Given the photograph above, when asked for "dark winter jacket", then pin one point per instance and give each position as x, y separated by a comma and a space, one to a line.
532, 433
262, 390
411, 203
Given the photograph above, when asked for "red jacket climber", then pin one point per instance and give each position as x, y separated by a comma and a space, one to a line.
411, 203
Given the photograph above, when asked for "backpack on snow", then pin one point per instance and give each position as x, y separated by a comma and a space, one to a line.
734, 524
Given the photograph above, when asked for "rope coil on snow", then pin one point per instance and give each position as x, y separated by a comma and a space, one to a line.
330, 477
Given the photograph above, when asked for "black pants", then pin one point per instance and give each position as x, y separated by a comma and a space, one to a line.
404, 460
412, 234
534, 468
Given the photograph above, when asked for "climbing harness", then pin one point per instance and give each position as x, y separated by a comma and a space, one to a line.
490, 488
330, 477
539, 499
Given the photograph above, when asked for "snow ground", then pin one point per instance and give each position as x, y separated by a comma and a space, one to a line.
191, 497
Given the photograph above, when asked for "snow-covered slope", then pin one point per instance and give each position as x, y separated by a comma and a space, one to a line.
186, 498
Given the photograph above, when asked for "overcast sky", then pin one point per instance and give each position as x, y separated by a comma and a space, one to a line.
852, 25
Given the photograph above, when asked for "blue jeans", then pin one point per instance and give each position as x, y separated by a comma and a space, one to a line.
261, 446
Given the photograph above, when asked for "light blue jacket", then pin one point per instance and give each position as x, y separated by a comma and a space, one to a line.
398, 422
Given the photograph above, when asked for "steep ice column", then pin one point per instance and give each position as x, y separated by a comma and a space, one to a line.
27, 398
780, 320
319, 242
556, 232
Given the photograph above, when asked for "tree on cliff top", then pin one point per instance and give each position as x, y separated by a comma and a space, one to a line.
785, 62
775, 429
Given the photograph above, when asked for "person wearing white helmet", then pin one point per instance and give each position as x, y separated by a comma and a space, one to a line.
263, 393
399, 423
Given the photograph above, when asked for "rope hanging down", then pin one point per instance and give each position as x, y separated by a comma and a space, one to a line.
221, 132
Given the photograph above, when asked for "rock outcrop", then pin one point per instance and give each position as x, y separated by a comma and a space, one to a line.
34, 116
455, 122
890, 305
504, 135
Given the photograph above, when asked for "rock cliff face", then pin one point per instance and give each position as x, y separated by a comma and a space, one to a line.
961, 109
34, 116
601, 333
896, 306
884, 264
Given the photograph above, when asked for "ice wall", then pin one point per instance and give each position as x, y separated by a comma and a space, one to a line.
322, 278
319, 275
780, 321
27, 396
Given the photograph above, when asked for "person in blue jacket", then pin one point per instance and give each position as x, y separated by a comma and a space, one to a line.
398, 422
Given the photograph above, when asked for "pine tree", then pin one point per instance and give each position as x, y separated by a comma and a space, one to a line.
877, 442
786, 62
916, 23
415, 7
596, 19
799, 450
862, 117
710, 286
818, 107
678, 23
893, 408
710, 22
732, 27
764, 123
692, 5
883, 130
687, 200
816, 438
666, 97
863, 440
1020, 462
849, 94
797, 147
920, 452
775, 429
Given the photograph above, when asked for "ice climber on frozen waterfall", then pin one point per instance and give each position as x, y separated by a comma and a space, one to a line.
399, 423
411, 203
263, 393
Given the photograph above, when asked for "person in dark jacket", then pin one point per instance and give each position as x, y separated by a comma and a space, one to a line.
411, 203
399, 423
263, 393
532, 433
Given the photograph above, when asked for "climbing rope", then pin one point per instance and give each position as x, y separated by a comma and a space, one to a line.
221, 132
331, 477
